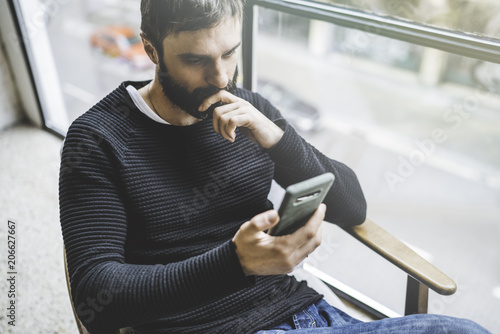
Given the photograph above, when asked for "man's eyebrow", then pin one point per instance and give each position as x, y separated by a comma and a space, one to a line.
202, 56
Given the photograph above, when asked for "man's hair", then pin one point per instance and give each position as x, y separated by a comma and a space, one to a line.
163, 17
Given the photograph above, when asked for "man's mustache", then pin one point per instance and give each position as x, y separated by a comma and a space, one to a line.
191, 101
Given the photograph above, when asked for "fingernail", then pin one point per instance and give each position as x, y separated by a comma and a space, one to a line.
272, 215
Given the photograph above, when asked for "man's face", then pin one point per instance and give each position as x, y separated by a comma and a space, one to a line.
197, 64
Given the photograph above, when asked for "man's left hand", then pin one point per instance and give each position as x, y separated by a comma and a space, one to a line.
237, 112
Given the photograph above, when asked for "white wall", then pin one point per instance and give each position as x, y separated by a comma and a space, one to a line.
10, 111
12, 53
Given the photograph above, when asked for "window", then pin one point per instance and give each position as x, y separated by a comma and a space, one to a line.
419, 125
79, 51
475, 17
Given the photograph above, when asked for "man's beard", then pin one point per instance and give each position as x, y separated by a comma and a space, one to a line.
191, 101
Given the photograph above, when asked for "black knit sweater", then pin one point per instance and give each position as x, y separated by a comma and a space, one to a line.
148, 211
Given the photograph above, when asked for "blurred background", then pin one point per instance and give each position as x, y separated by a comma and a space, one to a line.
419, 126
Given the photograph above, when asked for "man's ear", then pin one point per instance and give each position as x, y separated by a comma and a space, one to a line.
149, 48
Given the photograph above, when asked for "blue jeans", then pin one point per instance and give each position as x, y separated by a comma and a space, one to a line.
321, 318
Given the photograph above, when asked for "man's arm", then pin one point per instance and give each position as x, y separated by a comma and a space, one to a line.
295, 159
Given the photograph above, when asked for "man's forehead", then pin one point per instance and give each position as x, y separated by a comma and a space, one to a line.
220, 38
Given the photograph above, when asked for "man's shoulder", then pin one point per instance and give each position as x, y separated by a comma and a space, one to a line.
113, 116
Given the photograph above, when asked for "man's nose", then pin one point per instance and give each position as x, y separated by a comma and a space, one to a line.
217, 75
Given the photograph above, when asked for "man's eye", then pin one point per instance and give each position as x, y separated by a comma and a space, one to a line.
194, 61
229, 54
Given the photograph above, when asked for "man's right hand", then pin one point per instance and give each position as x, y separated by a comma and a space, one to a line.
262, 254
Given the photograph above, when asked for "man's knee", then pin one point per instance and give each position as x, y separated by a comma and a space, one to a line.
449, 325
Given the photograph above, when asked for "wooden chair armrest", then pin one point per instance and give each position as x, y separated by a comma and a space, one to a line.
399, 254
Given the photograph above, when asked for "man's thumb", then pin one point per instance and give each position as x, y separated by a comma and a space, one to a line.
266, 220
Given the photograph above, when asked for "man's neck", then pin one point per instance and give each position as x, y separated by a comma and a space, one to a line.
153, 95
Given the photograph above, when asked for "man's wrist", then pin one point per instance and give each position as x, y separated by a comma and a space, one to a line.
272, 136
234, 248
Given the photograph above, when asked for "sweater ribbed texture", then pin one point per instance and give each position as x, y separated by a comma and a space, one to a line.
148, 212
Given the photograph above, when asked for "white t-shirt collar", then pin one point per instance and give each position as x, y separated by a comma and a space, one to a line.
143, 106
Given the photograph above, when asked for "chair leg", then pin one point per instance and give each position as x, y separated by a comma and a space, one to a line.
417, 297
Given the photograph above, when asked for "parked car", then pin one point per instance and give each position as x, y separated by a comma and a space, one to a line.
121, 42
303, 116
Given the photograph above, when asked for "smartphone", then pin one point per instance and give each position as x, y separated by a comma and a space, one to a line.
300, 202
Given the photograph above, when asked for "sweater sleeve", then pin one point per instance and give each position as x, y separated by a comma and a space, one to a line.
107, 292
296, 160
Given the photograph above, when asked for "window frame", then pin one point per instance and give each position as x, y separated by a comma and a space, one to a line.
463, 44
29, 81
17, 55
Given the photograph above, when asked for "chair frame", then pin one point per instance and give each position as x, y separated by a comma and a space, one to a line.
422, 275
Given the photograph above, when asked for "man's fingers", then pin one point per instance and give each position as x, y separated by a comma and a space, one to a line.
309, 230
264, 221
209, 101
227, 118
311, 245
229, 128
219, 122
222, 96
